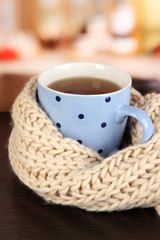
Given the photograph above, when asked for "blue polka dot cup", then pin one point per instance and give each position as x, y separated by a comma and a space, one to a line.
96, 121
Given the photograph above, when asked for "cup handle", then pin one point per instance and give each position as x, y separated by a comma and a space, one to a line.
145, 121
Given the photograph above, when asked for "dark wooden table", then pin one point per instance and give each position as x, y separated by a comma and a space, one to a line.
24, 215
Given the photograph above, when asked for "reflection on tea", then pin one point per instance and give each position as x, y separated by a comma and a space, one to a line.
84, 86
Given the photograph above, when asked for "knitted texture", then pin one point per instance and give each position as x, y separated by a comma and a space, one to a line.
63, 171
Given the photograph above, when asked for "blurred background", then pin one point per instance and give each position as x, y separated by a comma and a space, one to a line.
36, 34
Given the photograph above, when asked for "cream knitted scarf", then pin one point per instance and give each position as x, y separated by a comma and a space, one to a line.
64, 172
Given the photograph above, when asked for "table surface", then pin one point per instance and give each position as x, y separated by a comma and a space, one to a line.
24, 215
140, 66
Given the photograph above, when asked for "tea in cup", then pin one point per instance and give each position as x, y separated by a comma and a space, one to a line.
90, 103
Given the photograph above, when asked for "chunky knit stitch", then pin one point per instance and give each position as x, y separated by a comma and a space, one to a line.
65, 172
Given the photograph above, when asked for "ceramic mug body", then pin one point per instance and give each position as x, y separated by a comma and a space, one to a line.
96, 121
